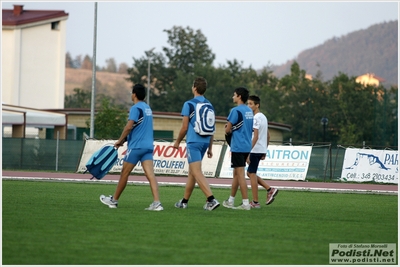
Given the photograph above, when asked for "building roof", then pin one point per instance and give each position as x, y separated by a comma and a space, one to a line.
17, 115
372, 75
19, 16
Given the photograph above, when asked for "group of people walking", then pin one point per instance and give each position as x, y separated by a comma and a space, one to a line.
246, 132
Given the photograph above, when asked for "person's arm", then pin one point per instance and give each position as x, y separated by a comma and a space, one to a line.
209, 151
255, 138
182, 132
268, 138
228, 128
127, 129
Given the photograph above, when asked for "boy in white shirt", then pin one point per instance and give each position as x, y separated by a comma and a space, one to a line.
260, 142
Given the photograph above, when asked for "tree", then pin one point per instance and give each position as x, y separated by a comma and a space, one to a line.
161, 77
109, 121
301, 105
68, 60
293, 99
87, 63
187, 48
352, 113
80, 99
111, 65
77, 62
123, 68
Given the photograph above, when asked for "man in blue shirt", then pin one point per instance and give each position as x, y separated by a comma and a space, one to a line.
240, 127
196, 146
139, 133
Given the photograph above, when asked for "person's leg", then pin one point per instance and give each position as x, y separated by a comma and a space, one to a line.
149, 172
235, 181
123, 179
254, 185
189, 187
235, 184
262, 182
112, 201
196, 152
239, 173
229, 203
195, 170
253, 162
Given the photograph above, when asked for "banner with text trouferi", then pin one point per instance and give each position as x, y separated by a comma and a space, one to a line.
281, 163
366, 165
166, 159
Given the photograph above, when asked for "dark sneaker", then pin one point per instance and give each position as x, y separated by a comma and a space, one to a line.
211, 205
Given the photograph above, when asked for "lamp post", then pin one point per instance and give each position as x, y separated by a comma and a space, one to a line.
324, 122
93, 99
148, 54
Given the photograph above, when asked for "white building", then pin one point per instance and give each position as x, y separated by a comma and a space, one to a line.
33, 47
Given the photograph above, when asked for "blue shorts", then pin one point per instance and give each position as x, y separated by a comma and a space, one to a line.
254, 161
133, 156
195, 151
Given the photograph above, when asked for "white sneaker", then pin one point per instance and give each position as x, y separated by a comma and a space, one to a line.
227, 204
242, 207
109, 201
155, 206
181, 205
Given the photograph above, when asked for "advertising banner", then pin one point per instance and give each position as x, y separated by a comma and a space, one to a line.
166, 159
281, 163
366, 165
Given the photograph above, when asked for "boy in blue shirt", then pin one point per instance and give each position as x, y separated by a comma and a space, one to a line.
196, 147
240, 127
139, 133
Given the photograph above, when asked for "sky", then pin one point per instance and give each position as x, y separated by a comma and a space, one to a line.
256, 33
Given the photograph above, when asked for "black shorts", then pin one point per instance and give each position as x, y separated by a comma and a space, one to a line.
238, 159
254, 161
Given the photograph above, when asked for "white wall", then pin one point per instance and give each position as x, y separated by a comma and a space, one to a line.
33, 66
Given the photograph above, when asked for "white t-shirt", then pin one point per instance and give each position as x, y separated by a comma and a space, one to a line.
260, 122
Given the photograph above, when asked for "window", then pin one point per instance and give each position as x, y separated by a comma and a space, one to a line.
55, 25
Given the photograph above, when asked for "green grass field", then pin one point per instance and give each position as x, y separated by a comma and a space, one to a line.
65, 223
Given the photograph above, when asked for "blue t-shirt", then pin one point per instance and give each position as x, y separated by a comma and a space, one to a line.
191, 135
141, 135
241, 138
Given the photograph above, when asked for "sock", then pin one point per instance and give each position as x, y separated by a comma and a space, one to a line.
255, 202
269, 189
184, 200
245, 202
231, 199
210, 198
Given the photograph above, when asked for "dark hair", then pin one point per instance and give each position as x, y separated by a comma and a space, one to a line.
139, 90
201, 85
255, 99
243, 92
